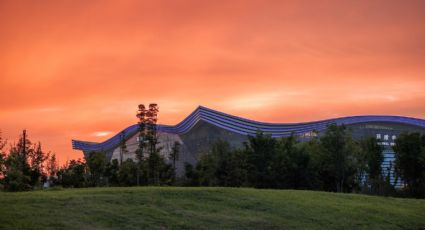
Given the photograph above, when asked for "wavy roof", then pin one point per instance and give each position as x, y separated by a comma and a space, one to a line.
243, 126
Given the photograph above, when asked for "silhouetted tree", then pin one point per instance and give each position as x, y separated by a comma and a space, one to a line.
18, 169
15, 178
111, 172
260, 151
370, 163
191, 175
175, 150
2, 158
142, 143
292, 165
410, 162
96, 163
24, 166
123, 147
338, 159
127, 174
37, 159
206, 169
231, 165
313, 149
223, 166
52, 168
155, 161
73, 174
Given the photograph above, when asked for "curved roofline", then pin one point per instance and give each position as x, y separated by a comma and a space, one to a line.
244, 126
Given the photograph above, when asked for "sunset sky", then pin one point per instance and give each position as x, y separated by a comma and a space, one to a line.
78, 69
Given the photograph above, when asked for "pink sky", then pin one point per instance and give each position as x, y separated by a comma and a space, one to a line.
78, 69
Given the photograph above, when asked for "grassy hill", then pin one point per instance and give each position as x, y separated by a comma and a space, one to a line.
205, 208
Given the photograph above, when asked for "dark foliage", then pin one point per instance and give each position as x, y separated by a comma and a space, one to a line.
292, 166
24, 167
127, 173
333, 162
73, 174
410, 163
261, 151
96, 163
222, 167
338, 160
111, 173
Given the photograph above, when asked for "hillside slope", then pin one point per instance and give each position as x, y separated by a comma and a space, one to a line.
205, 208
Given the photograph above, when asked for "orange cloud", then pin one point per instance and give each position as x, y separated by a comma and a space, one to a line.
78, 69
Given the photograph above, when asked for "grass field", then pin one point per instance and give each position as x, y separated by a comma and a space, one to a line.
205, 208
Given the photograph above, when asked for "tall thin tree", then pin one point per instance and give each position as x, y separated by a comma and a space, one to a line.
52, 168
2, 157
141, 115
155, 161
123, 147
37, 159
175, 150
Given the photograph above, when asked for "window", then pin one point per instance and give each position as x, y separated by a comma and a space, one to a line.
378, 136
386, 137
394, 137
310, 134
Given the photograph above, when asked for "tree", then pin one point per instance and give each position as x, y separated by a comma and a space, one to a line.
73, 174
24, 167
96, 163
191, 174
223, 166
155, 161
291, 166
153, 166
37, 159
151, 127
260, 151
18, 169
206, 170
230, 165
410, 162
127, 174
2, 158
15, 177
123, 147
175, 150
2, 166
52, 168
111, 172
140, 152
236, 170
313, 149
338, 159
371, 161
166, 174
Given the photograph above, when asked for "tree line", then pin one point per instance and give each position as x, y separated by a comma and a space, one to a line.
332, 162
26, 166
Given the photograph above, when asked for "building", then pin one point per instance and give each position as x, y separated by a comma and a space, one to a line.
204, 126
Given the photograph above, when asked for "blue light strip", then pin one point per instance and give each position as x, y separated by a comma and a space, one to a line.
244, 126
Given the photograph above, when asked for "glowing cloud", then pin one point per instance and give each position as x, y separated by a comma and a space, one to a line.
101, 133
69, 68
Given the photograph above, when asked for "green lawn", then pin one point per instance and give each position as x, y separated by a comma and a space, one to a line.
205, 208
